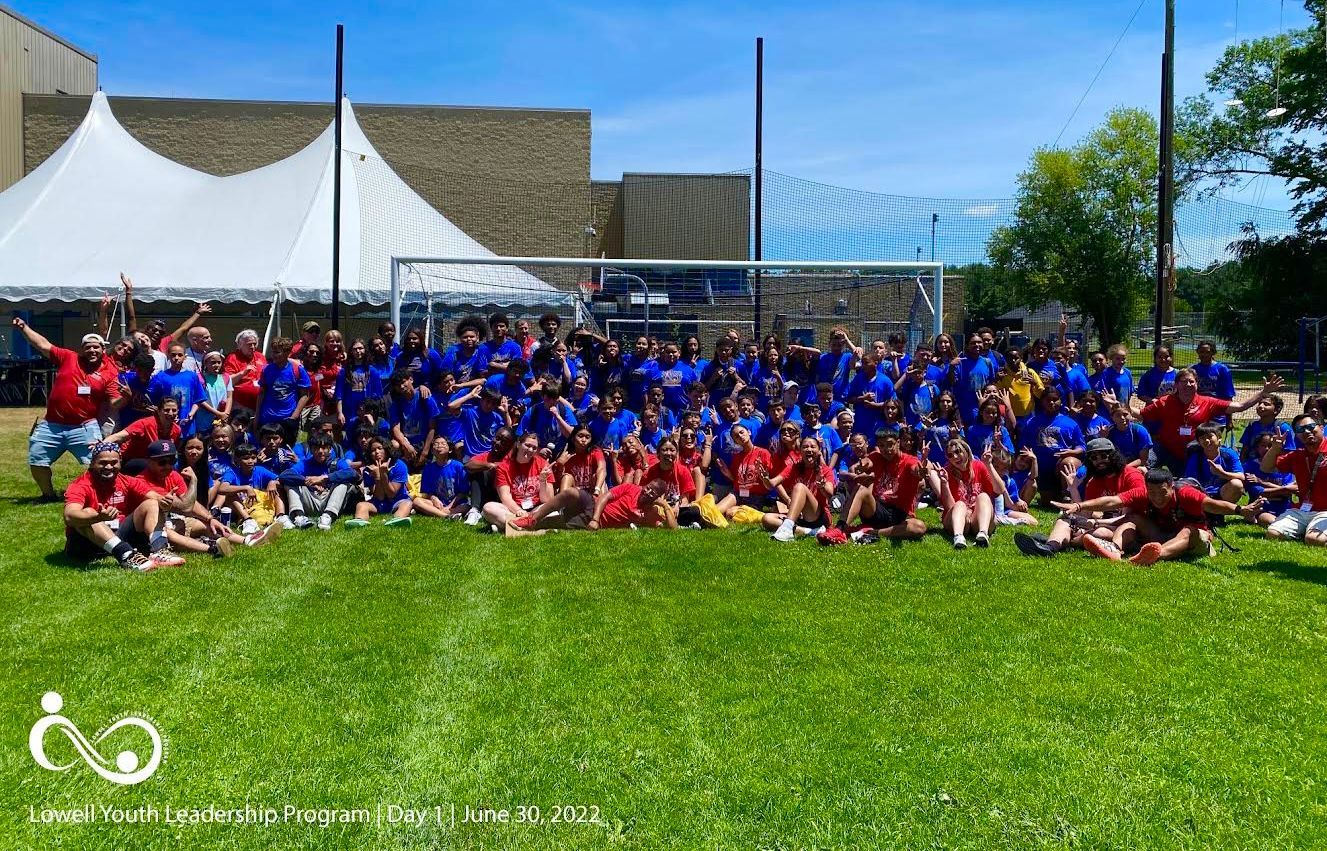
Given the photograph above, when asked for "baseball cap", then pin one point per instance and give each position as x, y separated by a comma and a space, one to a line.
93, 338
161, 449
1100, 444
312, 326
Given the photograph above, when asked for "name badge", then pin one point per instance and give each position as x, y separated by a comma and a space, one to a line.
744, 492
527, 504
1306, 506
1185, 431
84, 390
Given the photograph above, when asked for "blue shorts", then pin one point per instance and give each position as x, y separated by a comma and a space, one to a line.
51, 440
387, 506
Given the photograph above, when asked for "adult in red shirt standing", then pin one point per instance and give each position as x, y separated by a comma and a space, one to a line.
887, 500
107, 512
805, 487
1176, 416
1163, 520
1306, 521
245, 365
85, 381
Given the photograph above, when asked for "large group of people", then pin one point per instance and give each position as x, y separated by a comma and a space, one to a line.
193, 450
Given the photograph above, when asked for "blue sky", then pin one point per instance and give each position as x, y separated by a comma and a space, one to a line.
943, 99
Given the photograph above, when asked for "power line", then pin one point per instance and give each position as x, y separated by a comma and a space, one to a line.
1097, 76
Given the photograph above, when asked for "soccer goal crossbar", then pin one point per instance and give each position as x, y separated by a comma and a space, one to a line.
923, 269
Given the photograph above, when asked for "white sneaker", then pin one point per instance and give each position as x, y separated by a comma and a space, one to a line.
785, 532
248, 527
983, 540
960, 542
271, 533
285, 522
325, 523
812, 532
473, 518
302, 522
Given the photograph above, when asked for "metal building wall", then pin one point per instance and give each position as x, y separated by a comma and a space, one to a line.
33, 60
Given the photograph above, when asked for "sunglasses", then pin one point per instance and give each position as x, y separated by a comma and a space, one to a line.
1306, 428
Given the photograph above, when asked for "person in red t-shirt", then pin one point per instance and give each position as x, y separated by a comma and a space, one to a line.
1162, 520
1108, 473
107, 512
749, 472
245, 365
1306, 521
679, 480
886, 499
190, 527
805, 487
631, 504
524, 482
582, 463
1176, 416
135, 438
631, 461
86, 382
967, 494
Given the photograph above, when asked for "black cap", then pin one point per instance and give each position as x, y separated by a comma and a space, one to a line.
161, 449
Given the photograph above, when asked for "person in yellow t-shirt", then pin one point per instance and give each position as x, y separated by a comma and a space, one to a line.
1024, 385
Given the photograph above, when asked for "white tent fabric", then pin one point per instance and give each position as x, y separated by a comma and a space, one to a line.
104, 203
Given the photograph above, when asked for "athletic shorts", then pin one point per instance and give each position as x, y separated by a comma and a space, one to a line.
51, 440
82, 549
1295, 523
387, 506
885, 516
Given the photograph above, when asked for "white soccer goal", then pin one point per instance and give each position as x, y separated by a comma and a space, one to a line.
793, 299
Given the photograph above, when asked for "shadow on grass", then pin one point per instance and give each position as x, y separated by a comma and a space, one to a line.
1290, 570
31, 500
62, 561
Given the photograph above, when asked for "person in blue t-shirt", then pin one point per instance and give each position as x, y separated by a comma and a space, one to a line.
1058, 443
610, 426
381, 360
386, 485
510, 383
242, 482
767, 378
317, 485
420, 360
721, 374
1051, 372
481, 421
1115, 378
673, 375
444, 485
1160, 378
1130, 438
971, 375
990, 430
552, 418
182, 385
1215, 468
356, 381
412, 416
283, 389
917, 389
1275, 488
1214, 377
608, 368
868, 392
835, 365
499, 349
1267, 409
1091, 423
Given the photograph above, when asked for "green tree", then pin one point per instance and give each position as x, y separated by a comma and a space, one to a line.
985, 293
1084, 225
1278, 281
1225, 145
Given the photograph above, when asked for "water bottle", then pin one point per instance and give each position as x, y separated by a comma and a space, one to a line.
225, 517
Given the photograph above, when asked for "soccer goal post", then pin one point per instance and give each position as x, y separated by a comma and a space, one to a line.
796, 300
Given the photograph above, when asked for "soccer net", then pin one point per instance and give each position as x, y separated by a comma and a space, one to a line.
795, 301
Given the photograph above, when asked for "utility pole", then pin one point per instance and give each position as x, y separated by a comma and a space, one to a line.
336, 186
1165, 307
760, 179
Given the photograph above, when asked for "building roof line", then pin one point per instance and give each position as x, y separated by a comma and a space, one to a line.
39, 28
328, 103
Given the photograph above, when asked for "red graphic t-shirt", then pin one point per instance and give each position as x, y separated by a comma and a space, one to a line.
522, 479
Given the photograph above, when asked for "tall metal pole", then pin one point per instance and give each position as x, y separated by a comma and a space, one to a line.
1165, 310
336, 186
760, 120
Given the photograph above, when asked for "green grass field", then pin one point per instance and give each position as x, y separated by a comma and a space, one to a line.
701, 689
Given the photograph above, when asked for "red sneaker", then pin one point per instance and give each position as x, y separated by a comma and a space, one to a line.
525, 523
1147, 556
1101, 548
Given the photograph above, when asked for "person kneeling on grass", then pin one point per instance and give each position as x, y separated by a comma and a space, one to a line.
444, 486
385, 482
109, 512
886, 499
317, 485
1162, 521
805, 488
1107, 474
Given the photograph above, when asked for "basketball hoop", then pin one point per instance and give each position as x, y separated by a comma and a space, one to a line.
588, 289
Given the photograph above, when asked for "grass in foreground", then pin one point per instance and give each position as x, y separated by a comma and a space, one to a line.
701, 689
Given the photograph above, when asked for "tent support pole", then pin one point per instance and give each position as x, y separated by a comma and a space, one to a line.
396, 294
273, 319
336, 187
939, 301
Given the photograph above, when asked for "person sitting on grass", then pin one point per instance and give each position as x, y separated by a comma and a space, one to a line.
1163, 520
1010, 508
482, 470
444, 486
242, 483
139, 435
317, 485
581, 464
629, 463
1058, 444
681, 483
385, 482
694, 453
1267, 409
1215, 468
107, 512
967, 493
804, 487
748, 471
886, 497
1106, 474
1275, 489
190, 527
1307, 521
86, 382
522, 483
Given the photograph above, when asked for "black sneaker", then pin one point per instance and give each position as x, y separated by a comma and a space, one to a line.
1033, 545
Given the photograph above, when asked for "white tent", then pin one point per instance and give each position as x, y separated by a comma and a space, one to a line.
104, 203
